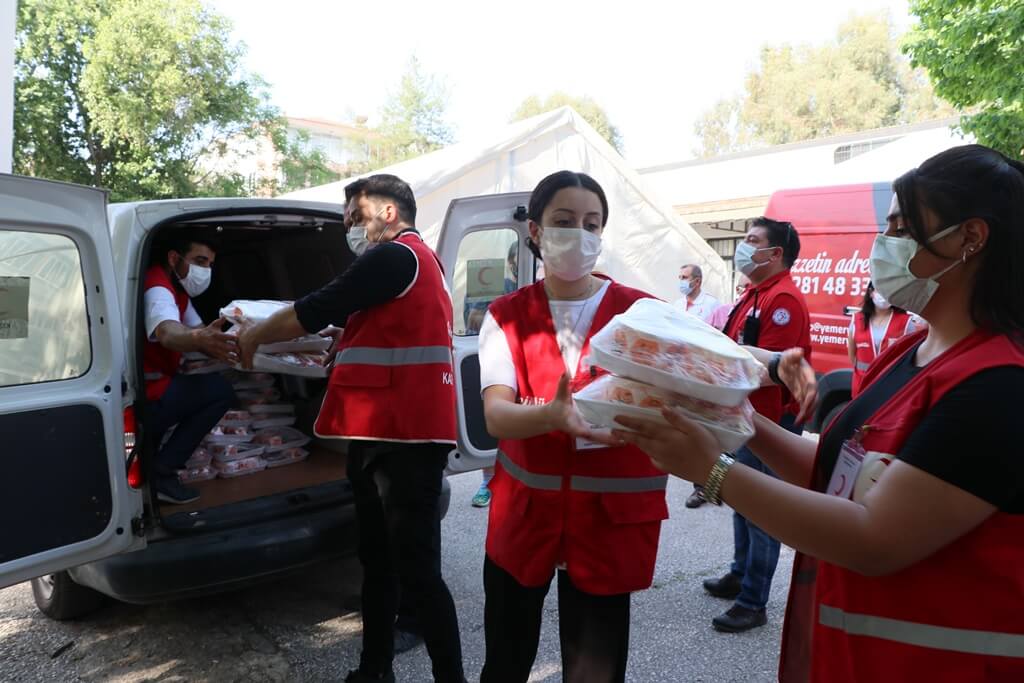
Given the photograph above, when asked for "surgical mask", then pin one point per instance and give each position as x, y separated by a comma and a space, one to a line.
197, 280
744, 257
890, 271
569, 253
685, 287
881, 302
358, 239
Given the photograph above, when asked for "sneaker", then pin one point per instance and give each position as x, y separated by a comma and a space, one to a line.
170, 490
728, 587
483, 497
357, 676
739, 619
696, 498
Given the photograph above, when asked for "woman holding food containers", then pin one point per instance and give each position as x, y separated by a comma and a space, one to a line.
562, 502
911, 536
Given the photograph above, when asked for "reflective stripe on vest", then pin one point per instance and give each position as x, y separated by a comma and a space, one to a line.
152, 376
413, 355
862, 366
553, 482
973, 642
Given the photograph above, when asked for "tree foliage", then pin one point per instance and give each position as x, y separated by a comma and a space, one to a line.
974, 52
856, 82
138, 96
585, 106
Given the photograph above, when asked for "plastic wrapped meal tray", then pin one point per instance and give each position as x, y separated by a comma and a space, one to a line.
654, 343
606, 397
286, 457
276, 439
190, 475
239, 468
222, 434
235, 451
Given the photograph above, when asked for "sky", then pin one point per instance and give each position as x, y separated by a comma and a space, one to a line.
655, 67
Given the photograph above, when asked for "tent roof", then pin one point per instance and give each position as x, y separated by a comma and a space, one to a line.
518, 156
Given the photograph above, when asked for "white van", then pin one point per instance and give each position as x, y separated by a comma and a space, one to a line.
78, 511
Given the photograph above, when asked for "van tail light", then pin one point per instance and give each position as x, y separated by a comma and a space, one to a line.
135, 474
134, 465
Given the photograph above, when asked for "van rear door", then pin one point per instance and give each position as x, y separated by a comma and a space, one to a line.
65, 498
483, 249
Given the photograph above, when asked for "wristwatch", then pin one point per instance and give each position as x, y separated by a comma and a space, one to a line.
773, 368
713, 486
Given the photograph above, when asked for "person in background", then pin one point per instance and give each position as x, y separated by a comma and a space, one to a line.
873, 329
695, 301
908, 514
719, 317
772, 315
482, 497
195, 403
564, 506
391, 395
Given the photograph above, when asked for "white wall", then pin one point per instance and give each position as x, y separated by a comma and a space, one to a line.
8, 14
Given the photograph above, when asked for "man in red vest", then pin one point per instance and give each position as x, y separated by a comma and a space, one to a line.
192, 402
772, 314
391, 394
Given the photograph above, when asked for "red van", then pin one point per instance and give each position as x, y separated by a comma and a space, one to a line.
837, 226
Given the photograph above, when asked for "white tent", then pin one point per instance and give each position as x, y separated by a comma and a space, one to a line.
645, 242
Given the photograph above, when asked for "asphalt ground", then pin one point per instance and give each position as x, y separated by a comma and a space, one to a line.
304, 627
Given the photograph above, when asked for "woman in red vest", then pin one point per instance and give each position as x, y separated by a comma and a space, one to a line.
911, 539
873, 329
561, 502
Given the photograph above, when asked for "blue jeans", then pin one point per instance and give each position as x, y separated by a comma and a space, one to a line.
755, 553
193, 402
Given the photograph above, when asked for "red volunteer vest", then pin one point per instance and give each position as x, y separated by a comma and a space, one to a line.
599, 511
769, 401
160, 364
392, 377
954, 616
866, 347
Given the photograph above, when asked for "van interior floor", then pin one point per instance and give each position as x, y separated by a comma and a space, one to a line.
320, 467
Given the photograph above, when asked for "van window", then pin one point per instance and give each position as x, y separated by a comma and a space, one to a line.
486, 268
44, 329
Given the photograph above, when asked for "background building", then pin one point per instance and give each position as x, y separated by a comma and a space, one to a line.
720, 196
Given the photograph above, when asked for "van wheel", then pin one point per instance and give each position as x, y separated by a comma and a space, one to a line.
59, 597
832, 414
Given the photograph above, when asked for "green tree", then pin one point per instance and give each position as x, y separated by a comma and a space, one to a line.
585, 106
138, 96
973, 52
413, 118
858, 81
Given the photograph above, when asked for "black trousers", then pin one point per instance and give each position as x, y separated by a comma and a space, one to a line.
398, 490
593, 630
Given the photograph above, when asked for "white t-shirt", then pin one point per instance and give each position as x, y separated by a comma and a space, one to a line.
159, 305
572, 321
702, 307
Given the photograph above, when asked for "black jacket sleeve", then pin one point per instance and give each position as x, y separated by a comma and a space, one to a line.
376, 277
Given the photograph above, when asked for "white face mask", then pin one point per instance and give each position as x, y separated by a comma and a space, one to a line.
685, 287
569, 253
197, 280
744, 257
881, 303
890, 271
358, 239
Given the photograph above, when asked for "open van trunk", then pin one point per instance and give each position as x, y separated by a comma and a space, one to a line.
279, 257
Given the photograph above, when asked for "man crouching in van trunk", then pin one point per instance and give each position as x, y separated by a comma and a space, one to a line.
192, 402
392, 394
